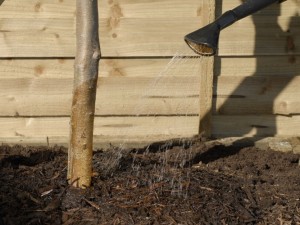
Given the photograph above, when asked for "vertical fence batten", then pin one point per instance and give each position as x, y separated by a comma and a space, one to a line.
206, 81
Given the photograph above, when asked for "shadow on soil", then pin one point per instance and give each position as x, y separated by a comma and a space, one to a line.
215, 153
162, 146
33, 159
212, 152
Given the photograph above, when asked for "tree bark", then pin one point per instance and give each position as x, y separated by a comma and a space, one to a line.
84, 94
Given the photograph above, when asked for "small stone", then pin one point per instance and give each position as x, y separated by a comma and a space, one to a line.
281, 146
296, 149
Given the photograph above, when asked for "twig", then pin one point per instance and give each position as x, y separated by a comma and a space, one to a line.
46, 192
206, 188
93, 204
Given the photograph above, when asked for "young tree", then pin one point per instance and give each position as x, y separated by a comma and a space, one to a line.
84, 94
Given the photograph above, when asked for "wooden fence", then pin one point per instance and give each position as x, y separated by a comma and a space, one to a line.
255, 76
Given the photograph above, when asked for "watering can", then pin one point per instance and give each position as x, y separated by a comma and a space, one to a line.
205, 40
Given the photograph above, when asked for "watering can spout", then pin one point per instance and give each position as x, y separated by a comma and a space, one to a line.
205, 40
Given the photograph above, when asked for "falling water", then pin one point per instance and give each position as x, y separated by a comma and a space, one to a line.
172, 83
160, 87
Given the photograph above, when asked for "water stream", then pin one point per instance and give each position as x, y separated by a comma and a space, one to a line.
180, 65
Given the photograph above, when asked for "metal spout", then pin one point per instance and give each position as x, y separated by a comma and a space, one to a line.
205, 40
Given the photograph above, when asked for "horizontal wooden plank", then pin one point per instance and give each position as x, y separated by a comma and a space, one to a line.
37, 9
255, 126
264, 33
146, 37
137, 130
152, 67
108, 128
125, 87
146, 8
63, 68
40, 88
264, 85
36, 68
290, 7
125, 32
121, 96
129, 9
140, 37
264, 36
37, 37
257, 66
256, 85
107, 8
260, 35
257, 35
128, 37
224, 66
257, 95
28, 28
143, 96
100, 142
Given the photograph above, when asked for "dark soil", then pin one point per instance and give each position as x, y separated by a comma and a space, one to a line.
180, 182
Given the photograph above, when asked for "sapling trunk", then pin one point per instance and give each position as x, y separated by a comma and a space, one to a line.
84, 94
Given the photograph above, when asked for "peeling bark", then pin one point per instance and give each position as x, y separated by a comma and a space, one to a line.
84, 94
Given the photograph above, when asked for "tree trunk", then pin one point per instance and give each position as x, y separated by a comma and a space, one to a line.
84, 94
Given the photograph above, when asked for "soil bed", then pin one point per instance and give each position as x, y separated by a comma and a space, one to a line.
179, 182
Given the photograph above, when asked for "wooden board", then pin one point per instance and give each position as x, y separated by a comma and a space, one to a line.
152, 86
37, 9
37, 37
139, 130
121, 96
44, 87
258, 66
127, 129
155, 67
63, 68
256, 126
260, 36
206, 80
132, 8
137, 96
37, 68
248, 91
107, 8
264, 33
124, 31
290, 7
130, 37
257, 95
29, 27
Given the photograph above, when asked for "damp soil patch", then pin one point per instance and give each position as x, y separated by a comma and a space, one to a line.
176, 182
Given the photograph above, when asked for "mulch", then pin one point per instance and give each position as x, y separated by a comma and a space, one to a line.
173, 182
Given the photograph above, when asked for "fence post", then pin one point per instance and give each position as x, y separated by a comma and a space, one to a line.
206, 80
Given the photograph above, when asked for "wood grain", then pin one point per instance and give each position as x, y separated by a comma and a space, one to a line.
268, 85
206, 81
143, 130
256, 76
153, 67
122, 96
132, 29
256, 126
121, 128
107, 8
